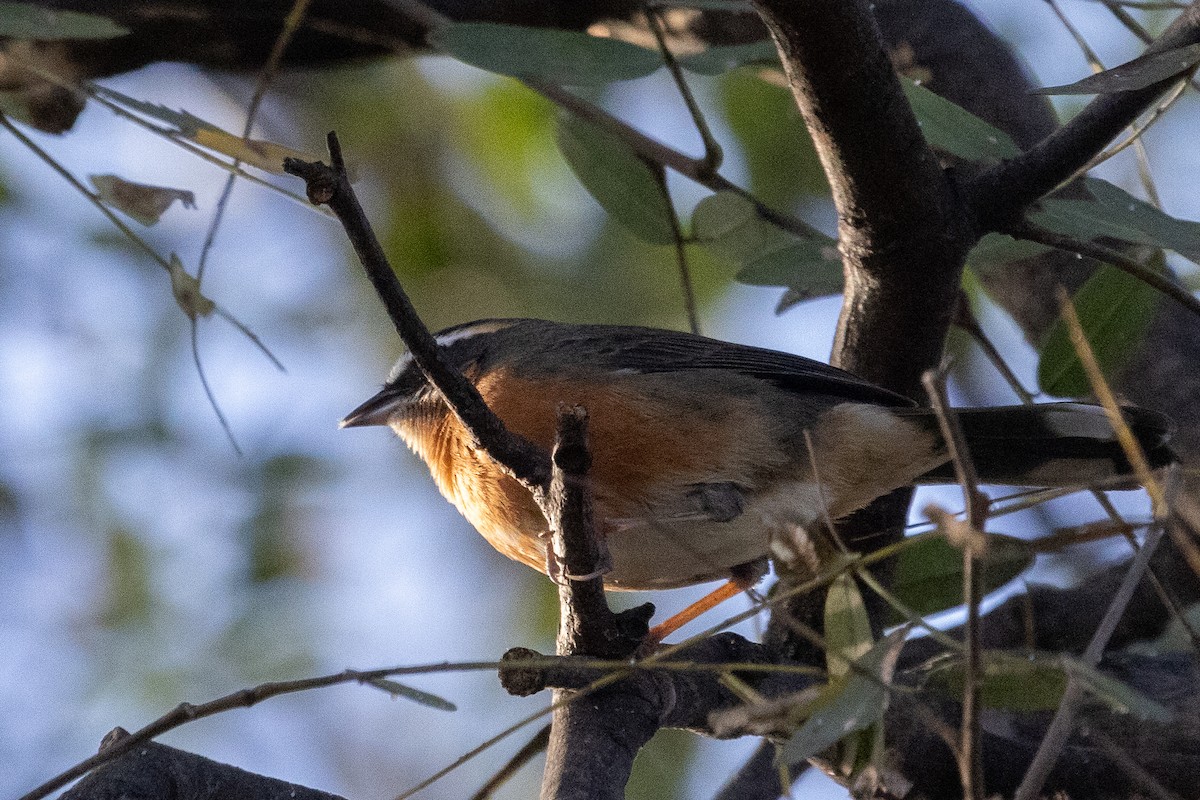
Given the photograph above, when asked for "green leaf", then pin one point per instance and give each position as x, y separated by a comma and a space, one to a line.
572, 58
730, 226
718, 60
928, 574
1114, 310
1119, 215
143, 202
1011, 681
997, 250
847, 626
409, 693
853, 704
628, 187
28, 21
129, 596
1118, 696
955, 130
1139, 73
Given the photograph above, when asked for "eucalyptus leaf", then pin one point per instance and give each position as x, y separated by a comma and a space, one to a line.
1011, 681
928, 575
1118, 696
1139, 73
1114, 310
572, 58
853, 704
1118, 216
29, 21
951, 128
731, 227
627, 187
396, 689
719, 59
997, 250
847, 626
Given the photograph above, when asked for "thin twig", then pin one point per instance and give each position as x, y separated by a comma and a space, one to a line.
194, 337
681, 259
291, 24
1129, 444
656, 152
713, 154
970, 764
511, 767
245, 698
1064, 719
331, 185
142, 244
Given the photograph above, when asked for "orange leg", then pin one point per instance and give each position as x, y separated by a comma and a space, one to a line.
711, 600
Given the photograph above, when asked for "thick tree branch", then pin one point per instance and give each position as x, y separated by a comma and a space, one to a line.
155, 771
902, 232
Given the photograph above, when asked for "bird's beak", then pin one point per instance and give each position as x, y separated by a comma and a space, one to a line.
375, 411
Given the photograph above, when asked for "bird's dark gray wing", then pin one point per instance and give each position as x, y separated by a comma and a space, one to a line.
652, 350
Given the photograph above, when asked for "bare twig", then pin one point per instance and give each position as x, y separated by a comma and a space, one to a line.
712, 149
330, 185
1064, 719
681, 259
245, 698
970, 751
291, 24
1129, 444
511, 767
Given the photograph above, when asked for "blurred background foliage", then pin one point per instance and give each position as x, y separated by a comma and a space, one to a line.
143, 562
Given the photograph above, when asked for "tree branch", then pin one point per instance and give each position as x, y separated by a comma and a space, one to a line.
331, 186
1000, 195
902, 233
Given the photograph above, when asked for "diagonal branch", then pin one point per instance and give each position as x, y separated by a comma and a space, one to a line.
1001, 194
331, 186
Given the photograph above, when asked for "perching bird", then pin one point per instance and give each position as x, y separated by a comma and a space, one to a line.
706, 452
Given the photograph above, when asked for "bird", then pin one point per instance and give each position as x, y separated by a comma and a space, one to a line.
710, 456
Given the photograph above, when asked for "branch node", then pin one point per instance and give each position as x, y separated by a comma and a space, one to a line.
522, 681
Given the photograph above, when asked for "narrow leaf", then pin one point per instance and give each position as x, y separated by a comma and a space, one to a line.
730, 226
29, 21
143, 202
998, 250
847, 626
628, 187
719, 59
928, 574
572, 58
1120, 697
1126, 217
1114, 309
1139, 73
1011, 681
187, 293
259, 153
181, 121
859, 703
951, 128
409, 693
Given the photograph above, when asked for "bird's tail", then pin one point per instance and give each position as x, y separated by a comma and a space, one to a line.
1052, 444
